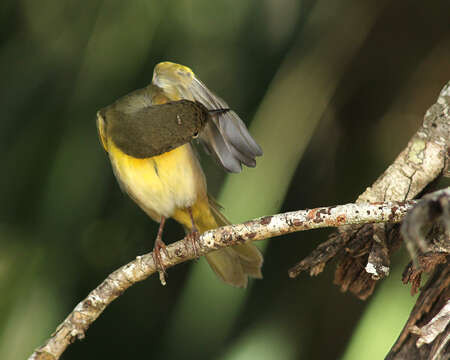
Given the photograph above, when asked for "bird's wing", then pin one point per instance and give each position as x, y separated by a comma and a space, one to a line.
152, 130
225, 137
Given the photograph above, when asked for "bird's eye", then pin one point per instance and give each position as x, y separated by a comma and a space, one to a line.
195, 135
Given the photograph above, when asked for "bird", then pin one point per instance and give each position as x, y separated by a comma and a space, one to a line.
148, 137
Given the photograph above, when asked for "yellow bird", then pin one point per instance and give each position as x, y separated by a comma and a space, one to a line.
157, 167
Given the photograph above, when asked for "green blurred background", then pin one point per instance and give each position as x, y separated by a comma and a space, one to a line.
332, 90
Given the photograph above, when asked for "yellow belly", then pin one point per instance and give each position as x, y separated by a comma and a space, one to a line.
162, 184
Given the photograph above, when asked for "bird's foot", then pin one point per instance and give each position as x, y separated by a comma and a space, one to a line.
157, 249
193, 237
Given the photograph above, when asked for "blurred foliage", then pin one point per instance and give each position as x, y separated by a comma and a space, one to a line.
331, 89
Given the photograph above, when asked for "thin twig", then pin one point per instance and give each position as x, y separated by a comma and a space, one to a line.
88, 310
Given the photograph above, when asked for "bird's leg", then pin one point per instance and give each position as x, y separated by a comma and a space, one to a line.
159, 245
194, 234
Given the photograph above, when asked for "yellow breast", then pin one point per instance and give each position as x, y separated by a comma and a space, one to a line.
162, 184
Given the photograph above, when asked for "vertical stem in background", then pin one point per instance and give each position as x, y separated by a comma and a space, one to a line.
283, 125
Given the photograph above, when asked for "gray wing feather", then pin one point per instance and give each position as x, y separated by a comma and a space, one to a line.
226, 137
216, 146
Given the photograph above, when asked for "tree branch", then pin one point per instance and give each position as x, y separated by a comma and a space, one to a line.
426, 232
426, 334
88, 310
363, 251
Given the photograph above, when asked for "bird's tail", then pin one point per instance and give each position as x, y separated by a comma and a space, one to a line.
233, 264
